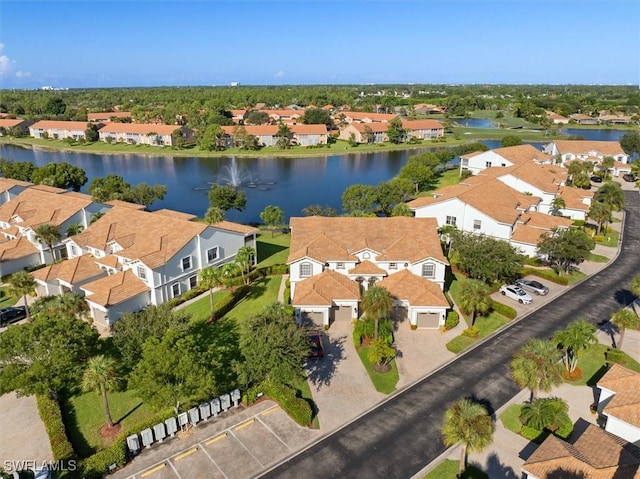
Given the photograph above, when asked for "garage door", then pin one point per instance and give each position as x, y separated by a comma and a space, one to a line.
311, 318
428, 320
399, 314
341, 313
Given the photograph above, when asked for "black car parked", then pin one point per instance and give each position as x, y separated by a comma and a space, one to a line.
11, 315
628, 177
596, 179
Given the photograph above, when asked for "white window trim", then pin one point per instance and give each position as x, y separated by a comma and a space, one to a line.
182, 263
173, 291
424, 266
195, 283
305, 264
217, 251
142, 272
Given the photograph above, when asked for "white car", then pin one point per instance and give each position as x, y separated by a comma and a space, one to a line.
515, 292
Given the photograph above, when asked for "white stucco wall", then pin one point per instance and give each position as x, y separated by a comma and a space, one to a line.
622, 429
479, 162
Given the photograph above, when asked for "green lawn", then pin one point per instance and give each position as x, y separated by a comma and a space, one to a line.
448, 178
273, 250
384, 383
6, 299
597, 258
486, 324
201, 310
593, 363
511, 418
448, 469
574, 276
263, 292
610, 239
85, 416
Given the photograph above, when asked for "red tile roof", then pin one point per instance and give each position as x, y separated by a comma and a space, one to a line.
59, 125
418, 291
322, 289
115, 289
139, 128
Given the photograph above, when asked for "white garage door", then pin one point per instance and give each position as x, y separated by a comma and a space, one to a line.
312, 318
341, 313
428, 320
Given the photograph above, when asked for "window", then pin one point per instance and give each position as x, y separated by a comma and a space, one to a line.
477, 224
451, 220
212, 254
393, 265
186, 263
428, 270
142, 272
193, 282
339, 265
305, 270
73, 250
175, 290
487, 164
366, 255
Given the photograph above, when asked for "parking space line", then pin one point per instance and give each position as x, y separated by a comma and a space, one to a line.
216, 439
174, 468
211, 458
271, 431
246, 448
245, 424
155, 469
185, 454
270, 410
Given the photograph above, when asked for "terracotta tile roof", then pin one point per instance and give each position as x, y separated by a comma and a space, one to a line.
360, 115
124, 204
114, 289
280, 113
375, 127
77, 194
583, 147
12, 230
625, 404
300, 129
111, 260
59, 125
418, 291
151, 238
70, 271
536, 219
527, 235
179, 215
321, 289
573, 197
472, 154
596, 454
421, 125
8, 183
37, 206
11, 123
49, 189
16, 248
235, 227
522, 154
545, 177
106, 115
619, 379
490, 196
367, 267
139, 128
255, 130
554, 116
338, 238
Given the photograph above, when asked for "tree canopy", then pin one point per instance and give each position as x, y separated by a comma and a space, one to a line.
227, 197
485, 258
359, 199
317, 116
113, 187
273, 217
565, 247
61, 175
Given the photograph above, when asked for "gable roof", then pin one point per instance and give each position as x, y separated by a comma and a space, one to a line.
573, 197
545, 177
321, 289
16, 248
339, 238
12, 122
37, 205
124, 204
70, 271
114, 289
596, 454
107, 115
235, 227
59, 125
374, 117
367, 267
300, 129
375, 127
138, 128
8, 183
583, 147
522, 154
418, 291
174, 214
422, 125
255, 130
625, 404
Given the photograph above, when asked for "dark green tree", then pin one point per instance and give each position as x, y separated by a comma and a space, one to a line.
255, 117
61, 175
284, 135
317, 210
630, 142
317, 116
111, 187
390, 193
611, 194
474, 298
146, 195
550, 413
91, 133
18, 170
210, 138
487, 259
54, 106
226, 197
395, 132
376, 304
566, 247
511, 140
359, 199
536, 366
574, 340
273, 217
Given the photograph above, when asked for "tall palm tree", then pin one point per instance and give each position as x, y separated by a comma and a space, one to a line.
245, 260
74, 229
625, 318
49, 235
574, 339
557, 205
229, 271
600, 213
474, 298
545, 413
377, 303
22, 284
211, 278
607, 164
71, 304
101, 376
469, 423
536, 366
610, 194
214, 215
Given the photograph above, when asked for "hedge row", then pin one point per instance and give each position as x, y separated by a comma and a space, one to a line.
453, 318
299, 409
504, 309
545, 274
52, 417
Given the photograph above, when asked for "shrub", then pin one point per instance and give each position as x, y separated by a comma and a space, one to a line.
274, 269
598, 238
615, 356
471, 332
99, 464
565, 429
365, 328
545, 274
52, 417
299, 409
453, 318
192, 293
532, 261
533, 434
414, 327
504, 309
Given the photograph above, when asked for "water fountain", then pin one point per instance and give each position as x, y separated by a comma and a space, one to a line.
238, 177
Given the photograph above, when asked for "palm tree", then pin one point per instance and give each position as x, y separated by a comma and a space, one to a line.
214, 215
245, 259
536, 366
635, 285
611, 194
101, 376
229, 271
557, 205
96, 216
22, 284
474, 298
575, 168
74, 229
377, 303
577, 337
469, 423
607, 164
211, 278
600, 213
545, 413
49, 235
625, 318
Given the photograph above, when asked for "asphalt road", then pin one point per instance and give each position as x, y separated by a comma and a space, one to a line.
402, 435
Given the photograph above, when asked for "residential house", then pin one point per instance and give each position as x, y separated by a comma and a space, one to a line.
333, 260
365, 117
423, 129
238, 116
309, 135
58, 130
594, 454
577, 202
267, 135
143, 134
530, 228
428, 109
365, 132
502, 157
594, 151
145, 258
557, 119
583, 119
10, 188
619, 403
288, 117
34, 206
108, 116
618, 119
14, 126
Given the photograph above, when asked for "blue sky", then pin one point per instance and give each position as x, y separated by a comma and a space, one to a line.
94, 43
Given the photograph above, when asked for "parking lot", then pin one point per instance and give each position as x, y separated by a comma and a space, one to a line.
554, 291
239, 444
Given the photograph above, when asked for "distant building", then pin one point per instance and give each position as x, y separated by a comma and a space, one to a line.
235, 83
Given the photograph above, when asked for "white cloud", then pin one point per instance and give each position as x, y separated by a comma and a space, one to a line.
280, 74
5, 62
21, 74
